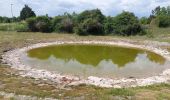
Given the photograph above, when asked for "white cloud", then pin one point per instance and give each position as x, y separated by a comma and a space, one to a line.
108, 7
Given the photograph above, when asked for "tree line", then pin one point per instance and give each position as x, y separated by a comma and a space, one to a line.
91, 22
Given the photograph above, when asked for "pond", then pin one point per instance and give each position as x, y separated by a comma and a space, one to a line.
85, 60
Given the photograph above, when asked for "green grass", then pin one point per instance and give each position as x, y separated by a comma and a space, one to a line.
21, 26
121, 92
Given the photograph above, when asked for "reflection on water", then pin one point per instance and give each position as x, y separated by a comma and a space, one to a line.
99, 60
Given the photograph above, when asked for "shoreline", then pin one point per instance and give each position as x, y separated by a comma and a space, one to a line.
12, 58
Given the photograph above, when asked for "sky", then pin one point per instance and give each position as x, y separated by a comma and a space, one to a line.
58, 7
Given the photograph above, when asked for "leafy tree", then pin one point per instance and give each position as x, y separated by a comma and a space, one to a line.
126, 23
90, 22
5, 20
26, 12
90, 26
94, 14
108, 25
162, 15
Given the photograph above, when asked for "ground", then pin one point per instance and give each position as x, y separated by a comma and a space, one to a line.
10, 82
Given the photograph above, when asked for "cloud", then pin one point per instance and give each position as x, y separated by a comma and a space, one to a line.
56, 7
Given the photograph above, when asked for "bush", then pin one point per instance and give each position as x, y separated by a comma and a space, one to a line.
43, 24
31, 24
22, 27
39, 24
90, 26
63, 24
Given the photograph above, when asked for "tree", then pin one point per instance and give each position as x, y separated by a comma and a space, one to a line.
108, 25
126, 23
94, 14
90, 26
26, 12
90, 22
162, 15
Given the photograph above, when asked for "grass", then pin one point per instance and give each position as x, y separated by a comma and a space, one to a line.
121, 92
28, 86
21, 26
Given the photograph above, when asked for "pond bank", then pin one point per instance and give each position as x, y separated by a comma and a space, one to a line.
12, 58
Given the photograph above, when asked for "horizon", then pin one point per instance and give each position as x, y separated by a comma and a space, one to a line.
141, 8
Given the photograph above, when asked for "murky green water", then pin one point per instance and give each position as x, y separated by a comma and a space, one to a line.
99, 60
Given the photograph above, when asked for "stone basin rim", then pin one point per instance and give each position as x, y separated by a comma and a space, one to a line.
12, 58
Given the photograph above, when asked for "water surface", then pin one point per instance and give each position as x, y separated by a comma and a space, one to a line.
97, 60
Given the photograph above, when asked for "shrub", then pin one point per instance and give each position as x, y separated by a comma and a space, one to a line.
39, 24
43, 24
31, 24
22, 27
63, 24
90, 26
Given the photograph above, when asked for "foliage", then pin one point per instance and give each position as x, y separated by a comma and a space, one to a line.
9, 20
90, 22
144, 21
126, 23
90, 26
31, 24
164, 21
26, 12
162, 15
63, 24
94, 14
20, 27
108, 25
39, 24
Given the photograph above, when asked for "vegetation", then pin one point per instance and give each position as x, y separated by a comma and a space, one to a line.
12, 83
91, 22
39, 24
26, 12
162, 15
19, 26
126, 23
63, 24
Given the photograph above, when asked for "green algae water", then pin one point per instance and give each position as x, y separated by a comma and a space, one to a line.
96, 60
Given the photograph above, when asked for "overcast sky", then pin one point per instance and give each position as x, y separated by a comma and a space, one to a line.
56, 7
